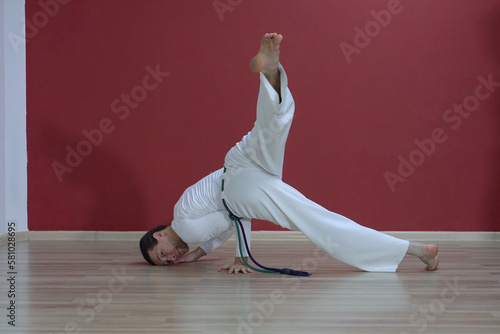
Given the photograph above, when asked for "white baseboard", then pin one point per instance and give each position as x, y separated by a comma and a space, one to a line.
446, 236
256, 235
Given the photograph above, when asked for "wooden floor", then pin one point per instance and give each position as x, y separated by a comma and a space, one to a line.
105, 287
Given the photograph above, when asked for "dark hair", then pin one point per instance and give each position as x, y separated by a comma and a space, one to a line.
147, 242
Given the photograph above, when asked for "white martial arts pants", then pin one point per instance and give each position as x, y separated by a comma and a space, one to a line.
253, 189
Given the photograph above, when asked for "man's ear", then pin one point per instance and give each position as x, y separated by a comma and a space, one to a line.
158, 234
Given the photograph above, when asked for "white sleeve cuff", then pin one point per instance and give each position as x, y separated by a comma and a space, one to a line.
273, 95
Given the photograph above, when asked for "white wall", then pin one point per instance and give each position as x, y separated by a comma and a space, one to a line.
13, 156
2, 130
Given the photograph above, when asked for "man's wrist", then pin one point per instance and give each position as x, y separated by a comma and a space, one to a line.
200, 253
240, 260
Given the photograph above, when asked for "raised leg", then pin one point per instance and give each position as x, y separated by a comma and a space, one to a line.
264, 145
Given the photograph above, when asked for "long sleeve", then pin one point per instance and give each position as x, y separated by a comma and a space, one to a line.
211, 244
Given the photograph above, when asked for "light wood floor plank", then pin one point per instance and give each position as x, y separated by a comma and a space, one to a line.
105, 287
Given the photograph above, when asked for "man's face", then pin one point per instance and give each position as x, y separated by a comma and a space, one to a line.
167, 250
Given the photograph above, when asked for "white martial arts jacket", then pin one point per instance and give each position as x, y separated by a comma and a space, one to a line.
200, 216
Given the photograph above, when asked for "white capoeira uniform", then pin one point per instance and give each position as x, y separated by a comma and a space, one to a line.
252, 188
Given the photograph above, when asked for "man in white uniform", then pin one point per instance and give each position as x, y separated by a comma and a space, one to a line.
251, 186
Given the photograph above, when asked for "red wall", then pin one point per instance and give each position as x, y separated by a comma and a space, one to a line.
358, 111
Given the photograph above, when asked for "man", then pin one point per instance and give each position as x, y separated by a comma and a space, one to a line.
251, 186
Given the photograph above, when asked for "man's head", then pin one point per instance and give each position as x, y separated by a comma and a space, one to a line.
162, 246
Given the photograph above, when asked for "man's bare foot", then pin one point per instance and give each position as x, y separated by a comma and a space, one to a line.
427, 253
267, 59
429, 256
